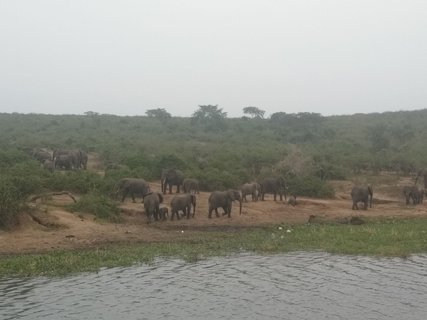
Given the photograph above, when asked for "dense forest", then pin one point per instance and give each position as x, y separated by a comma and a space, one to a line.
307, 149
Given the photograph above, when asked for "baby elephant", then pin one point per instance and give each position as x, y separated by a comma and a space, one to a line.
292, 200
163, 213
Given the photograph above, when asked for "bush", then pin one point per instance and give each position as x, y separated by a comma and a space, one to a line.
99, 205
74, 181
11, 201
310, 187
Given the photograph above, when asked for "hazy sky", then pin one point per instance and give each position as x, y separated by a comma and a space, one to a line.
125, 57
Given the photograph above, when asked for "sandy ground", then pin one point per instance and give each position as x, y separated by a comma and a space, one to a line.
51, 227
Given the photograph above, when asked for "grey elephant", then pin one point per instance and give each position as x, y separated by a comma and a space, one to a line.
41, 155
275, 186
74, 155
190, 185
63, 161
132, 186
183, 202
292, 200
224, 200
253, 189
362, 194
152, 203
163, 213
412, 192
49, 165
171, 177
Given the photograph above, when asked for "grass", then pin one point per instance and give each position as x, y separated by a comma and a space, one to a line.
378, 237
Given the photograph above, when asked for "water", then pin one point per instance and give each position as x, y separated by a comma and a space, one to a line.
286, 286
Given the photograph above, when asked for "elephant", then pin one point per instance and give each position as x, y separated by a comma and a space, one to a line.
163, 213
274, 186
223, 199
63, 161
253, 188
132, 186
48, 164
362, 194
292, 200
412, 192
152, 203
42, 155
74, 155
190, 185
171, 177
183, 202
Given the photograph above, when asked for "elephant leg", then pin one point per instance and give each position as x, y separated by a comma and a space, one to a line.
177, 189
125, 193
133, 197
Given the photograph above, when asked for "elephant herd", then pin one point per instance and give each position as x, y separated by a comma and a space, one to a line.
185, 203
365, 194
62, 159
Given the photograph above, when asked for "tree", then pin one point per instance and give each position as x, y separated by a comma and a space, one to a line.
210, 117
159, 113
254, 112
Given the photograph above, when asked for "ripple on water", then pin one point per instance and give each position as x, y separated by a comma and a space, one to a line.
298, 285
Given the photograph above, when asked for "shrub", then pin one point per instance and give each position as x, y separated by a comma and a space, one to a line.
309, 186
11, 201
99, 205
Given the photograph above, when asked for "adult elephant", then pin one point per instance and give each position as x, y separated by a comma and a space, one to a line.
190, 185
63, 161
412, 192
183, 202
49, 165
133, 187
42, 155
275, 186
73, 154
224, 200
171, 177
362, 194
152, 203
253, 189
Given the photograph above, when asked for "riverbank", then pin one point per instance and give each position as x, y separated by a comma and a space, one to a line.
378, 236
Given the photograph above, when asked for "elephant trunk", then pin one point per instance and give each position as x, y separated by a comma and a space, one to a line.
240, 208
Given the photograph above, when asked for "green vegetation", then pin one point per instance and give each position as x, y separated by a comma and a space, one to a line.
307, 149
378, 237
99, 205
